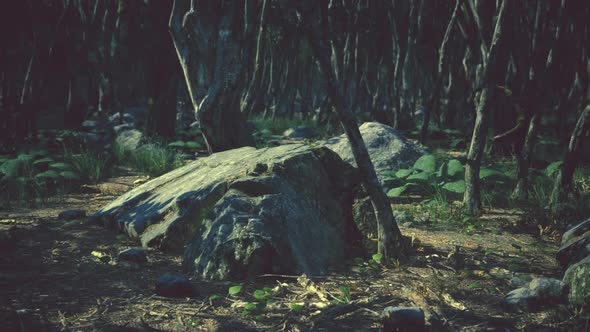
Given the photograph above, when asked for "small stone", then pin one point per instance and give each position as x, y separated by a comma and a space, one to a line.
547, 287
174, 285
87, 189
407, 224
72, 214
539, 293
300, 132
133, 255
518, 299
403, 319
401, 217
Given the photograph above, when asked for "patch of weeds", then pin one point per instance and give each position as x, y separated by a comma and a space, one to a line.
91, 167
344, 296
192, 322
32, 177
153, 158
470, 224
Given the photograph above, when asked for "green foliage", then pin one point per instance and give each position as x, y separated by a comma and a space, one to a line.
423, 178
50, 175
152, 158
440, 184
296, 307
90, 167
377, 257
234, 290
345, 295
31, 177
552, 169
426, 163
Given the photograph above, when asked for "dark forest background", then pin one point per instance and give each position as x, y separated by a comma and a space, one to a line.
507, 71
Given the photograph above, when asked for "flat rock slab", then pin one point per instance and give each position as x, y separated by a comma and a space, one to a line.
388, 149
244, 212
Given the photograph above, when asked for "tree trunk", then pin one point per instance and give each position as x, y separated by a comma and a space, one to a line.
254, 89
524, 159
563, 183
390, 240
433, 103
213, 27
472, 196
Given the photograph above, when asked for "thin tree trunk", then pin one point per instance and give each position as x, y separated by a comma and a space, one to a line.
433, 103
390, 240
524, 159
255, 83
472, 196
563, 183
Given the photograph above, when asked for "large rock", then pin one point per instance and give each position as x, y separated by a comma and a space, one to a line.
577, 278
388, 149
245, 212
575, 244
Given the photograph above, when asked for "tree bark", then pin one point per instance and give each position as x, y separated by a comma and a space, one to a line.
524, 159
208, 44
254, 89
433, 103
563, 183
390, 240
472, 196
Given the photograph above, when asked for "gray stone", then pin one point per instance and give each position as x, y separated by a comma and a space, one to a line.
129, 139
547, 288
133, 255
540, 293
402, 319
301, 132
174, 285
575, 244
518, 299
577, 278
402, 217
388, 149
246, 212
123, 127
72, 214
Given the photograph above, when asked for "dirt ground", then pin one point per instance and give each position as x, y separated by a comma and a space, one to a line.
59, 275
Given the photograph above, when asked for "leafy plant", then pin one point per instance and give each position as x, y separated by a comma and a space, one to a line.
234, 290
424, 178
345, 296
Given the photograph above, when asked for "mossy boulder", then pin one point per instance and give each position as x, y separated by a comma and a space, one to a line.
244, 212
577, 277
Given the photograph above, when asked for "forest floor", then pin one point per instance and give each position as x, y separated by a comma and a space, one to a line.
55, 279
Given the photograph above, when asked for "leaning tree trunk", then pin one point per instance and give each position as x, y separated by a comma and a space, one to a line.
390, 240
524, 159
472, 196
563, 183
208, 45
